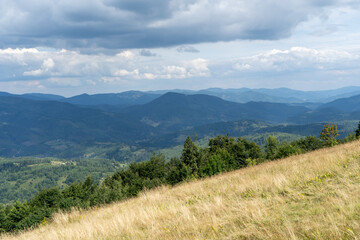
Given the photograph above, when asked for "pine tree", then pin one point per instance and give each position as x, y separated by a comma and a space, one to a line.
190, 155
271, 147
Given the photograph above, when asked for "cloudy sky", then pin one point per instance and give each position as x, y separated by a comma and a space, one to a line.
72, 47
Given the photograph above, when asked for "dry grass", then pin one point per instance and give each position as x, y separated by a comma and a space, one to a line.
311, 196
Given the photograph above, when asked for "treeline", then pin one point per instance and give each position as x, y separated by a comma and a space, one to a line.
223, 154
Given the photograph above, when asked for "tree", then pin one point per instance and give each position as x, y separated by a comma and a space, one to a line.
309, 143
328, 135
286, 150
2, 219
219, 162
220, 142
358, 131
190, 155
271, 147
243, 150
47, 198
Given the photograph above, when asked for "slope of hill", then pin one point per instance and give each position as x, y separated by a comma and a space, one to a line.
351, 104
175, 111
312, 196
30, 127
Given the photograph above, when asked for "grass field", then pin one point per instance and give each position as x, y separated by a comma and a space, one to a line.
310, 196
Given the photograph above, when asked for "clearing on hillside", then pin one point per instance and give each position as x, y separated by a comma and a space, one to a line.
310, 196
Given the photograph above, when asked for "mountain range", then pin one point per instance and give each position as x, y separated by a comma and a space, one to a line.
46, 124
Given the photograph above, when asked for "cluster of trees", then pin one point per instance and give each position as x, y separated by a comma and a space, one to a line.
22, 178
223, 154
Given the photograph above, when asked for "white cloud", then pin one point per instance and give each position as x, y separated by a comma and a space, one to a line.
296, 59
198, 68
126, 54
12, 51
126, 73
47, 65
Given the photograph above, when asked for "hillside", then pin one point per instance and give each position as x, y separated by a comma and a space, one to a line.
351, 104
312, 196
175, 111
29, 127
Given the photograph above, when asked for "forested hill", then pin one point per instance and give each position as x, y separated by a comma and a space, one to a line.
33, 127
351, 104
175, 111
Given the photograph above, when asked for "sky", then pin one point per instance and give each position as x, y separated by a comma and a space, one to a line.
97, 46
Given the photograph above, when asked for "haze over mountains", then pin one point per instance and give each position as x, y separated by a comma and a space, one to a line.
46, 124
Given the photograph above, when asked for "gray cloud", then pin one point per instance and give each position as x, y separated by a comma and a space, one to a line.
110, 24
190, 49
147, 53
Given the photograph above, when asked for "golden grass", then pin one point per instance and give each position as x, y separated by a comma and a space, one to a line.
310, 196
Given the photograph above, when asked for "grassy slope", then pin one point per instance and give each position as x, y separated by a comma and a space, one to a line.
311, 196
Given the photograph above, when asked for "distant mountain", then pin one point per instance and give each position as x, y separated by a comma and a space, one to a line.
249, 96
42, 96
6, 94
339, 110
175, 111
29, 127
311, 96
276, 95
114, 101
34, 96
121, 99
351, 104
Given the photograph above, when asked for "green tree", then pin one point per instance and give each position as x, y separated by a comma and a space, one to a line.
190, 155
309, 143
47, 198
271, 147
243, 150
2, 219
328, 135
17, 212
173, 171
220, 142
286, 150
357, 133
219, 162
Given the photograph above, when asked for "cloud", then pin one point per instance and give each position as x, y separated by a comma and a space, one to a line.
189, 49
126, 54
147, 53
110, 24
70, 68
297, 59
47, 65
